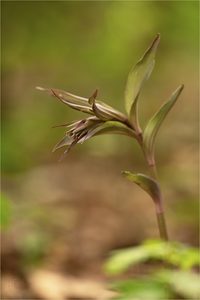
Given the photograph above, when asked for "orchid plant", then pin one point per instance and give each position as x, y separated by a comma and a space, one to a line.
105, 119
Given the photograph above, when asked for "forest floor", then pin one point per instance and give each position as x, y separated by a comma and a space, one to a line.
66, 220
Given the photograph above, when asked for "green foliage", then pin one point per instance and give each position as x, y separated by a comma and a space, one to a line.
162, 284
6, 212
184, 283
145, 289
155, 122
137, 77
169, 252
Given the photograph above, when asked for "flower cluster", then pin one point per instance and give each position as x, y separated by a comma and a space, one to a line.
105, 119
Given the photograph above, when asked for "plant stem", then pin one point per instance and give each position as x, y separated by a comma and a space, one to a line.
162, 226
161, 220
153, 170
159, 202
159, 209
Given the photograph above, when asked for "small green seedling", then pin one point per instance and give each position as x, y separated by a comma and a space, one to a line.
105, 119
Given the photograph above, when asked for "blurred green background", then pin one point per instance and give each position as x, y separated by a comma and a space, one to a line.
79, 46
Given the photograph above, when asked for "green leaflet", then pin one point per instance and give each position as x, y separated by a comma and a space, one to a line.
146, 183
137, 77
155, 122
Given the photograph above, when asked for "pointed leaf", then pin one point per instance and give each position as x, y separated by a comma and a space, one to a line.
137, 77
121, 260
155, 122
146, 183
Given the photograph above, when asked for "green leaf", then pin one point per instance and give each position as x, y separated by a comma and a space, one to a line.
137, 77
121, 260
141, 289
182, 256
155, 122
164, 284
146, 183
184, 283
